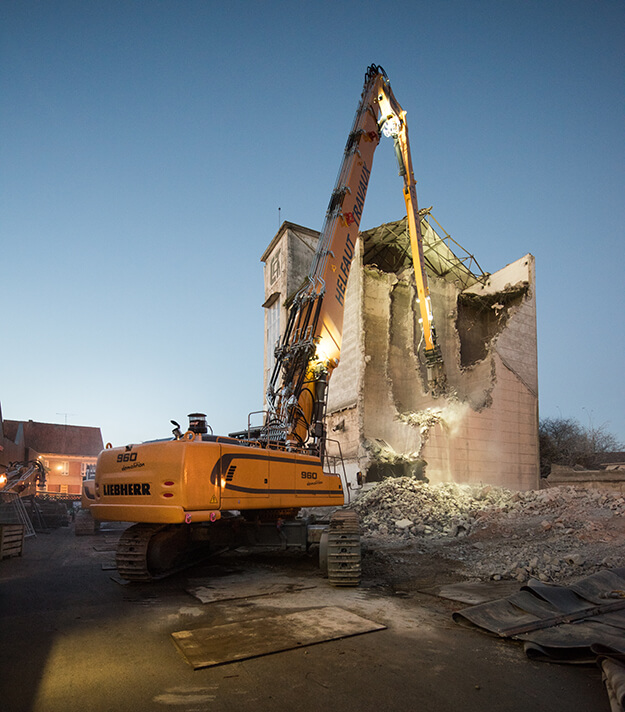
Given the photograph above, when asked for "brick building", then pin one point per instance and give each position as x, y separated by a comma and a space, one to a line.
68, 452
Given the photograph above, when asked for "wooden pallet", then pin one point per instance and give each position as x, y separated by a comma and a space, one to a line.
11, 540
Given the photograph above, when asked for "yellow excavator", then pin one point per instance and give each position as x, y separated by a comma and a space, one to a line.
200, 492
23, 478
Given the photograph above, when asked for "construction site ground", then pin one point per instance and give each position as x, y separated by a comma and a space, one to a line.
74, 639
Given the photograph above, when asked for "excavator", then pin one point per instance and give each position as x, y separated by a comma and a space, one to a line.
23, 478
20, 482
200, 493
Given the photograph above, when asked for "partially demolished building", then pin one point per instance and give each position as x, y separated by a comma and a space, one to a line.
484, 429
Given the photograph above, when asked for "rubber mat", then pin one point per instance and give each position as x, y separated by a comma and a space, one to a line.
559, 623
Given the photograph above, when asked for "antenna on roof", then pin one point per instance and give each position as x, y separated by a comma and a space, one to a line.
279, 222
66, 414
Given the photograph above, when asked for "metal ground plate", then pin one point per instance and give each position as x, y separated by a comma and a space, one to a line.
206, 647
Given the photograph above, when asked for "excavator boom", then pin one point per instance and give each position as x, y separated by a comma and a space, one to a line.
23, 477
311, 345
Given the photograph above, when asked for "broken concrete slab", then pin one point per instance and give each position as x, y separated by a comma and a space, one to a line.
207, 647
230, 588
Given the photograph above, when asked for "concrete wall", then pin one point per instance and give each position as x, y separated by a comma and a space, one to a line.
489, 431
613, 480
485, 428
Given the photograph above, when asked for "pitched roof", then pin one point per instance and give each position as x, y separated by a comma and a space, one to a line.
50, 438
294, 227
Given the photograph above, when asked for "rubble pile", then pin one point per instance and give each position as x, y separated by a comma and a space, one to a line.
408, 507
553, 534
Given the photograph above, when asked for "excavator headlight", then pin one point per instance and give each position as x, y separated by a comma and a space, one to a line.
323, 351
391, 127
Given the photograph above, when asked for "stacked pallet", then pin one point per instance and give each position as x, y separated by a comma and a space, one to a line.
11, 540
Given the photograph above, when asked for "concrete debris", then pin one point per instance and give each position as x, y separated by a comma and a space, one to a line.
450, 416
381, 452
553, 535
423, 420
404, 523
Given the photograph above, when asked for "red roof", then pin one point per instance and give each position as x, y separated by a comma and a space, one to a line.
53, 439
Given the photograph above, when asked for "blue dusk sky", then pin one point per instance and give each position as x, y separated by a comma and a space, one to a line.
147, 147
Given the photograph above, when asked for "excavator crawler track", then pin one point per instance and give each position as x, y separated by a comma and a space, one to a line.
132, 552
343, 549
150, 552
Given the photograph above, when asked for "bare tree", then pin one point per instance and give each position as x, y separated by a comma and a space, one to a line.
563, 441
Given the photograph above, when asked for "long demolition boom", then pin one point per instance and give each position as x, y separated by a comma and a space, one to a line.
310, 348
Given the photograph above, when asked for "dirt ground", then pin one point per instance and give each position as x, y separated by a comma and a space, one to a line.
73, 639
